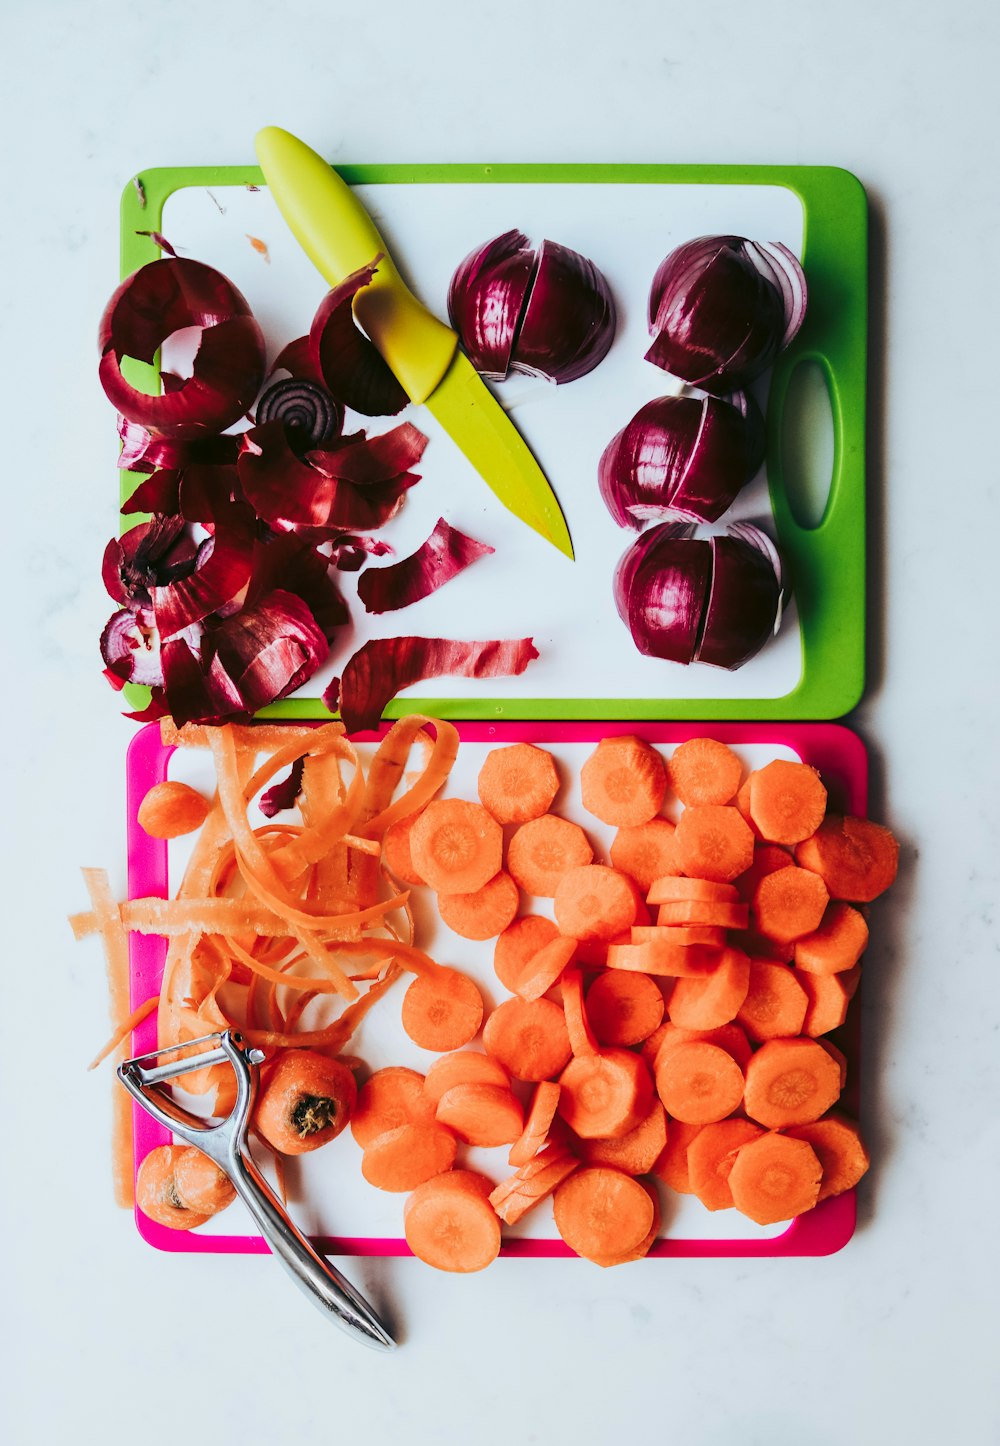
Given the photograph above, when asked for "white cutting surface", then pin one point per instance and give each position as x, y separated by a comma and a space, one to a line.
894, 1339
527, 588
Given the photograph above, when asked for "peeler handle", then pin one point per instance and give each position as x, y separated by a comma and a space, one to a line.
324, 1285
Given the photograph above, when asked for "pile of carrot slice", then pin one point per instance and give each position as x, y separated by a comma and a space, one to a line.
667, 1024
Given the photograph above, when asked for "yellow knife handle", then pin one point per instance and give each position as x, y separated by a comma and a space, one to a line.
339, 237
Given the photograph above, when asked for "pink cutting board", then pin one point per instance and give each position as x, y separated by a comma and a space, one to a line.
841, 759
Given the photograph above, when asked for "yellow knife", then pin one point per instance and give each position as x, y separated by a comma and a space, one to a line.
339, 237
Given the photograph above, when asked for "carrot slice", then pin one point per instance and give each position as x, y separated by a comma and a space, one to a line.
729, 1037
838, 943
708, 935
828, 997
790, 1082
442, 1012
716, 998
533, 1182
481, 1114
711, 1156
840, 1150
389, 1098
404, 1158
602, 1213
790, 904
518, 783
651, 1046
767, 859
634, 1153
857, 859
518, 944
699, 1083
156, 1191
449, 1222
546, 968
665, 958
638, 1251
171, 809
605, 1095
581, 1037
713, 842
775, 1003
462, 1067
456, 845
775, 1178
594, 902
787, 801
528, 1037
672, 1166
624, 1008
483, 914
623, 782
703, 770
742, 802
544, 1103
645, 851
544, 849
670, 890
704, 911
397, 853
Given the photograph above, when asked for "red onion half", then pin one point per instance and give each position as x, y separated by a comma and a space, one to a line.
684, 457
721, 308
545, 311
700, 600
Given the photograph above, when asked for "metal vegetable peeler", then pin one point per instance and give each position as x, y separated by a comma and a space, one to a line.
226, 1144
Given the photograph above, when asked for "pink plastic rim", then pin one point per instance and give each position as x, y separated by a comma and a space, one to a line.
833, 749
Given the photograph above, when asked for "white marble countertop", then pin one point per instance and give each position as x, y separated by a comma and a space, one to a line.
892, 1340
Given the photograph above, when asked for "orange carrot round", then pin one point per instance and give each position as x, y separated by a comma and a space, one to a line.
481, 1114
623, 782
672, 1166
828, 997
456, 845
156, 1190
857, 859
790, 1082
396, 850
775, 1003
306, 1100
729, 1037
404, 1158
546, 968
705, 1003
533, 1182
663, 956
544, 849
605, 1094
450, 1224
601, 1212
538, 1123
483, 914
711, 936
767, 859
671, 890
840, 1150
594, 902
645, 851
699, 1083
713, 842
787, 801
389, 1098
171, 809
624, 1008
581, 1037
789, 904
528, 1037
838, 943
775, 1178
200, 1184
462, 1067
703, 770
636, 1152
444, 1011
637, 1252
518, 782
519, 943
711, 1156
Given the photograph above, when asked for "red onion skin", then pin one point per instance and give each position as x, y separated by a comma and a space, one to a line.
446, 553
486, 298
348, 364
742, 604
569, 322
717, 321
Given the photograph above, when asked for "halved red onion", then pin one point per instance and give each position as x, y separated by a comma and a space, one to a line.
713, 600
349, 364
159, 299
683, 457
130, 647
379, 669
445, 554
312, 414
545, 311
721, 308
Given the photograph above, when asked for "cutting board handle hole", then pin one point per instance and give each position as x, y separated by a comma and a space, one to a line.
807, 443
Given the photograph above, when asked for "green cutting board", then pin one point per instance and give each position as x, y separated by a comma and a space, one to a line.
626, 218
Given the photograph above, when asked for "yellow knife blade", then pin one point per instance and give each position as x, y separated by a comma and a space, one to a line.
338, 235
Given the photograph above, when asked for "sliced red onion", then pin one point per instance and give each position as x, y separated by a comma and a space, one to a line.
313, 417
546, 312
682, 457
720, 310
349, 364
445, 554
384, 666
149, 555
283, 794
164, 297
130, 647
714, 600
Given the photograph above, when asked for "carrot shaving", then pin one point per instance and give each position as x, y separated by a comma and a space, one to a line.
125, 1029
115, 942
